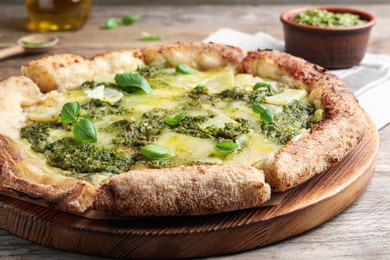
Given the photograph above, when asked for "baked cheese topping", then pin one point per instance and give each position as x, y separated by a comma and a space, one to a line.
188, 117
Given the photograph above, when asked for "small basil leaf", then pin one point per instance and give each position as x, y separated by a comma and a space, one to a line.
265, 114
184, 69
35, 44
84, 131
130, 19
200, 86
133, 80
261, 85
157, 152
70, 112
226, 147
175, 120
151, 37
111, 23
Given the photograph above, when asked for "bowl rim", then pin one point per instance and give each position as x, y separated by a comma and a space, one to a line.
286, 16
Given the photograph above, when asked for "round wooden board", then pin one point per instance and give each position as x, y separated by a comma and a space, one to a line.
305, 207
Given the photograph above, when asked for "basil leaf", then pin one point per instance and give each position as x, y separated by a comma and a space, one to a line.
111, 23
184, 69
157, 152
70, 112
84, 131
265, 114
133, 80
35, 44
130, 19
176, 119
200, 86
261, 85
151, 37
226, 147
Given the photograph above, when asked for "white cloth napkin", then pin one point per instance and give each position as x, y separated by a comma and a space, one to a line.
370, 80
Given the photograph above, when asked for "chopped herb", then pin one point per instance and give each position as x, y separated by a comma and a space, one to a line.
130, 19
134, 80
265, 114
157, 152
261, 85
226, 147
175, 120
184, 69
151, 37
200, 86
111, 23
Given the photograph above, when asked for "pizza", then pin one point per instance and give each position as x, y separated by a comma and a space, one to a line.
184, 128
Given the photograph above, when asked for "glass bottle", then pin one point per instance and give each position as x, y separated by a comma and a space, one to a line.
57, 15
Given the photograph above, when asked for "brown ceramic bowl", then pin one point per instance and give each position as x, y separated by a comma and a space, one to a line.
332, 48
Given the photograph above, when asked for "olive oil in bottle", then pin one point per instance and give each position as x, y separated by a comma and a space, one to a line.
57, 15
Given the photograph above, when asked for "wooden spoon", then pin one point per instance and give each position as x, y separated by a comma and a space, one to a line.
35, 43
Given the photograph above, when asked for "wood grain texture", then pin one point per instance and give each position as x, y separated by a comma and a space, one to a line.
361, 231
305, 207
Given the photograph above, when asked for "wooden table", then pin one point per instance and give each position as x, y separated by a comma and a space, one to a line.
361, 231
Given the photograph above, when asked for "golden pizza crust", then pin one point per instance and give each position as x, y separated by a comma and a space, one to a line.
198, 55
183, 190
190, 190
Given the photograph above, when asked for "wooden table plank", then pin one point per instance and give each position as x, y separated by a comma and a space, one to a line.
362, 231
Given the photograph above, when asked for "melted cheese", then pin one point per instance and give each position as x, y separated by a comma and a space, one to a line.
248, 81
167, 98
215, 81
286, 97
219, 121
233, 109
254, 150
49, 108
189, 148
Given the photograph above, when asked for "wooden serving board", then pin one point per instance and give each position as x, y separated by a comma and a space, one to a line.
305, 207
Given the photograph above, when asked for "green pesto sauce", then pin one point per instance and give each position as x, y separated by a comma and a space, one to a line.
200, 96
190, 126
129, 134
72, 155
140, 132
37, 134
97, 109
295, 117
324, 18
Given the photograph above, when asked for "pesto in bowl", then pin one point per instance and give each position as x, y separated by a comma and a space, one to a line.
325, 18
